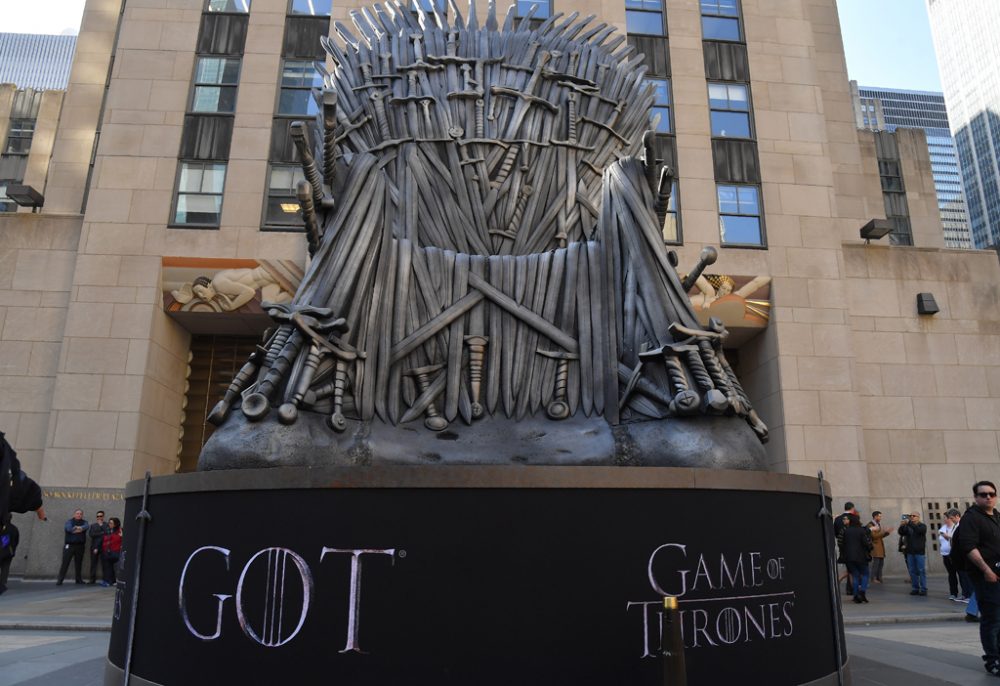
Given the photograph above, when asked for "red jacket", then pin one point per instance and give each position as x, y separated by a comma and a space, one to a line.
113, 542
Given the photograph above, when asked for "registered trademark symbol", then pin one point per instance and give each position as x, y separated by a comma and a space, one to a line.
402, 554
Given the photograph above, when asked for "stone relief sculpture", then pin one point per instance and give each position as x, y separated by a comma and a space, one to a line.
488, 280
230, 289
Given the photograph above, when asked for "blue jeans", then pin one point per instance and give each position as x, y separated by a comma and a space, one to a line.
973, 607
916, 565
988, 596
859, 570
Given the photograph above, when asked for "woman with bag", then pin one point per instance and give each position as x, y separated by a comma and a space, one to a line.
111, 551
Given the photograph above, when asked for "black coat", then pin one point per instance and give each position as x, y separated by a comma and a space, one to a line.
981, 531
916, 538
18, 493
857, 546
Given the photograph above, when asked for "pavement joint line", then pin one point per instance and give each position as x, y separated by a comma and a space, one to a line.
905, 619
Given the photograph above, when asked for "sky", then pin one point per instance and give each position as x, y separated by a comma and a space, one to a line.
888, 42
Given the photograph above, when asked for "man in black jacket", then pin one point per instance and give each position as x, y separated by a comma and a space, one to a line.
915, 533
979, 540
18, 493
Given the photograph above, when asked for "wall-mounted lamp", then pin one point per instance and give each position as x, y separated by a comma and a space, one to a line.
926, 304
25, 196
876, 229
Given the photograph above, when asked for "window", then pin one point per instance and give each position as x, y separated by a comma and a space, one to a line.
890, 175
298, 78
199, 193
671, 232
19, 136
315, 8
644, 16
215, 81
739, 215
544, 10
730, 110
282, 208
228, 6
720, 20
7, 205
661, 104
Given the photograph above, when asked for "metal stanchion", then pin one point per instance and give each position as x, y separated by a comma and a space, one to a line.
672, 644
143, 518
826, 519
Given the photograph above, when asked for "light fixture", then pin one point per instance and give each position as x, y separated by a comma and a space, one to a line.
876, 229
25, 196
289, 207
926, 304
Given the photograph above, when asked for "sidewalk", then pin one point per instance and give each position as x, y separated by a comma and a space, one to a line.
891, 603
43, 605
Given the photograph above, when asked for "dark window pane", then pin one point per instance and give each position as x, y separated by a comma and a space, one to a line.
222, 34
318, 8
18, 145
302, 36
719, 28
282, 211
650, 23
741, 230
297, 102
731, 124
206, 137
13, 166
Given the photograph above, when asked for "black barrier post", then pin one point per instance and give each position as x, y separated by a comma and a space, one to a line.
826, 519
672, 644
143, 518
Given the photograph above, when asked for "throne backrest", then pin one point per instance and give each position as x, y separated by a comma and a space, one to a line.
496, 140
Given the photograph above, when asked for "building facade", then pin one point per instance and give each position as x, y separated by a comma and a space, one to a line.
171, 180
969, 58
887, 109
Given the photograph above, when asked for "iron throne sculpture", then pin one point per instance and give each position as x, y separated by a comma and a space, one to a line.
487, 261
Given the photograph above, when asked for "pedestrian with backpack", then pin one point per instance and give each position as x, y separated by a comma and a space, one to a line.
978, 538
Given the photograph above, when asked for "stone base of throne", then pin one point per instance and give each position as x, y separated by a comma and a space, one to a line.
705, 442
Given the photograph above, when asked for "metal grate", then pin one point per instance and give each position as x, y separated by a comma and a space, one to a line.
214, 362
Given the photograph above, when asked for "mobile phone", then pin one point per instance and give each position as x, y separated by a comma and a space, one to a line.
906, 518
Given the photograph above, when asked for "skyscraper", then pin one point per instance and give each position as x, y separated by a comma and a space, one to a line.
965, 39
886, 109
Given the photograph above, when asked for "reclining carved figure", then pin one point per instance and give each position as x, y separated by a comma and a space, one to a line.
489, 282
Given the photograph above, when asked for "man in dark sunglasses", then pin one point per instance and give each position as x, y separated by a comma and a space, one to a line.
979, 539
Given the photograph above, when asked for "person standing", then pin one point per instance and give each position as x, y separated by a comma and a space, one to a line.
95, 537
73, 544
914, 532
839, 524
955, 576
857, 546
878, 533
979, 540
111, 551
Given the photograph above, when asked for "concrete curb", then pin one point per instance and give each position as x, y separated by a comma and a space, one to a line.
28, 625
